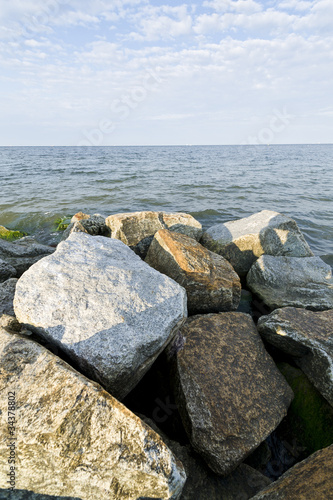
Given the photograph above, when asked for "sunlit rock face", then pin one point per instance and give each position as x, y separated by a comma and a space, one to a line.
242, 241
292, 281
137, 229
72, 438
106, 308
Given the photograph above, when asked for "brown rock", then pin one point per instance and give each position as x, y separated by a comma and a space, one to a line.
307, 335
229, 392
311, 479
209, 280
72, 438
137, 229
79, 216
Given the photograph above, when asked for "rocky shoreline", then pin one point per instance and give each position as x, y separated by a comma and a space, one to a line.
150, 359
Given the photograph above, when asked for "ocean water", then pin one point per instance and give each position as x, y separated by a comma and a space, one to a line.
213, 183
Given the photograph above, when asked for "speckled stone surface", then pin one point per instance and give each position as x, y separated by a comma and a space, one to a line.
210, 282
311, 479
307, 335
230, 394
73, 438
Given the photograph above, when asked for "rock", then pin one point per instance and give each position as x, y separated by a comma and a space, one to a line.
73, 438
94, 225
22, 254
137, 229
10, 323
209, 280
29, 495
242, 241
308, 336
6, 271
290, 281
9, 234
310, 417
7, 292
80, 216
106, 308
229, 392
307, 480
203, 484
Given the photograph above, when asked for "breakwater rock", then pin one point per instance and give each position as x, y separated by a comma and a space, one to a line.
91, 323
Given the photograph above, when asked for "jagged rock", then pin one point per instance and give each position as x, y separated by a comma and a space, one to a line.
73, 438
229, 392
137, 229
242, 241
22, 254
7, 292
203, 484
106, 308
90, 224
209, 280
307, 480
290, 281
308, 336
6, 271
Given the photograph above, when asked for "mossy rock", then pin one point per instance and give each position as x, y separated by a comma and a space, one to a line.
310, 416
62, 223
10, 234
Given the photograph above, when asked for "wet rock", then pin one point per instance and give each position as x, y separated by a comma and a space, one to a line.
7, 292
73, 438
209, 280
229, 392
6, 271
101, 304
10, 234
90, 224
242, 241
308, 336
22, 254
290, 281
137, 229
307, 480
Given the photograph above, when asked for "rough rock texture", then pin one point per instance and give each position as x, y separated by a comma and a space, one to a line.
203, 484
6, 271
229, 392
73, 438
29, 495
7, 292
242, 241
22, 253
94, 225
311, 479
308, 336
106, 308
290, 281
137, 229
209, 280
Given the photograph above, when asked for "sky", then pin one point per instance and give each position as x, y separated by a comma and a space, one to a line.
149, 72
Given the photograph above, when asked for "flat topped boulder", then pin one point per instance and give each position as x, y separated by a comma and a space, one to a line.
137, 229
106, 308
290, 281
308, 336
73, 439
311, 479
209, 280
229, 392
242, 241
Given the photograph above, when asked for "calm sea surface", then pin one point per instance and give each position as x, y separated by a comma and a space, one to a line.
213, 183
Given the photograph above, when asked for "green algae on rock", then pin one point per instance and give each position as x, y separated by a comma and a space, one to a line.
10, 234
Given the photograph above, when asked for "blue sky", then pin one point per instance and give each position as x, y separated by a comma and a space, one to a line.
98, 72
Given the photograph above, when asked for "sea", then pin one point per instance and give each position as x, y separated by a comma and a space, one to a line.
39, 185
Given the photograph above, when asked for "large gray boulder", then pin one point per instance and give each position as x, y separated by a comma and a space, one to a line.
311, 479
137, 229
72, 438
229, 392
308, 336
22, 253
290, 281
210, 282
106, 308
6, 271
242, 241
7, 292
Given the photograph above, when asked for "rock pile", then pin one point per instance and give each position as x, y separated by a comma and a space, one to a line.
81, 325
